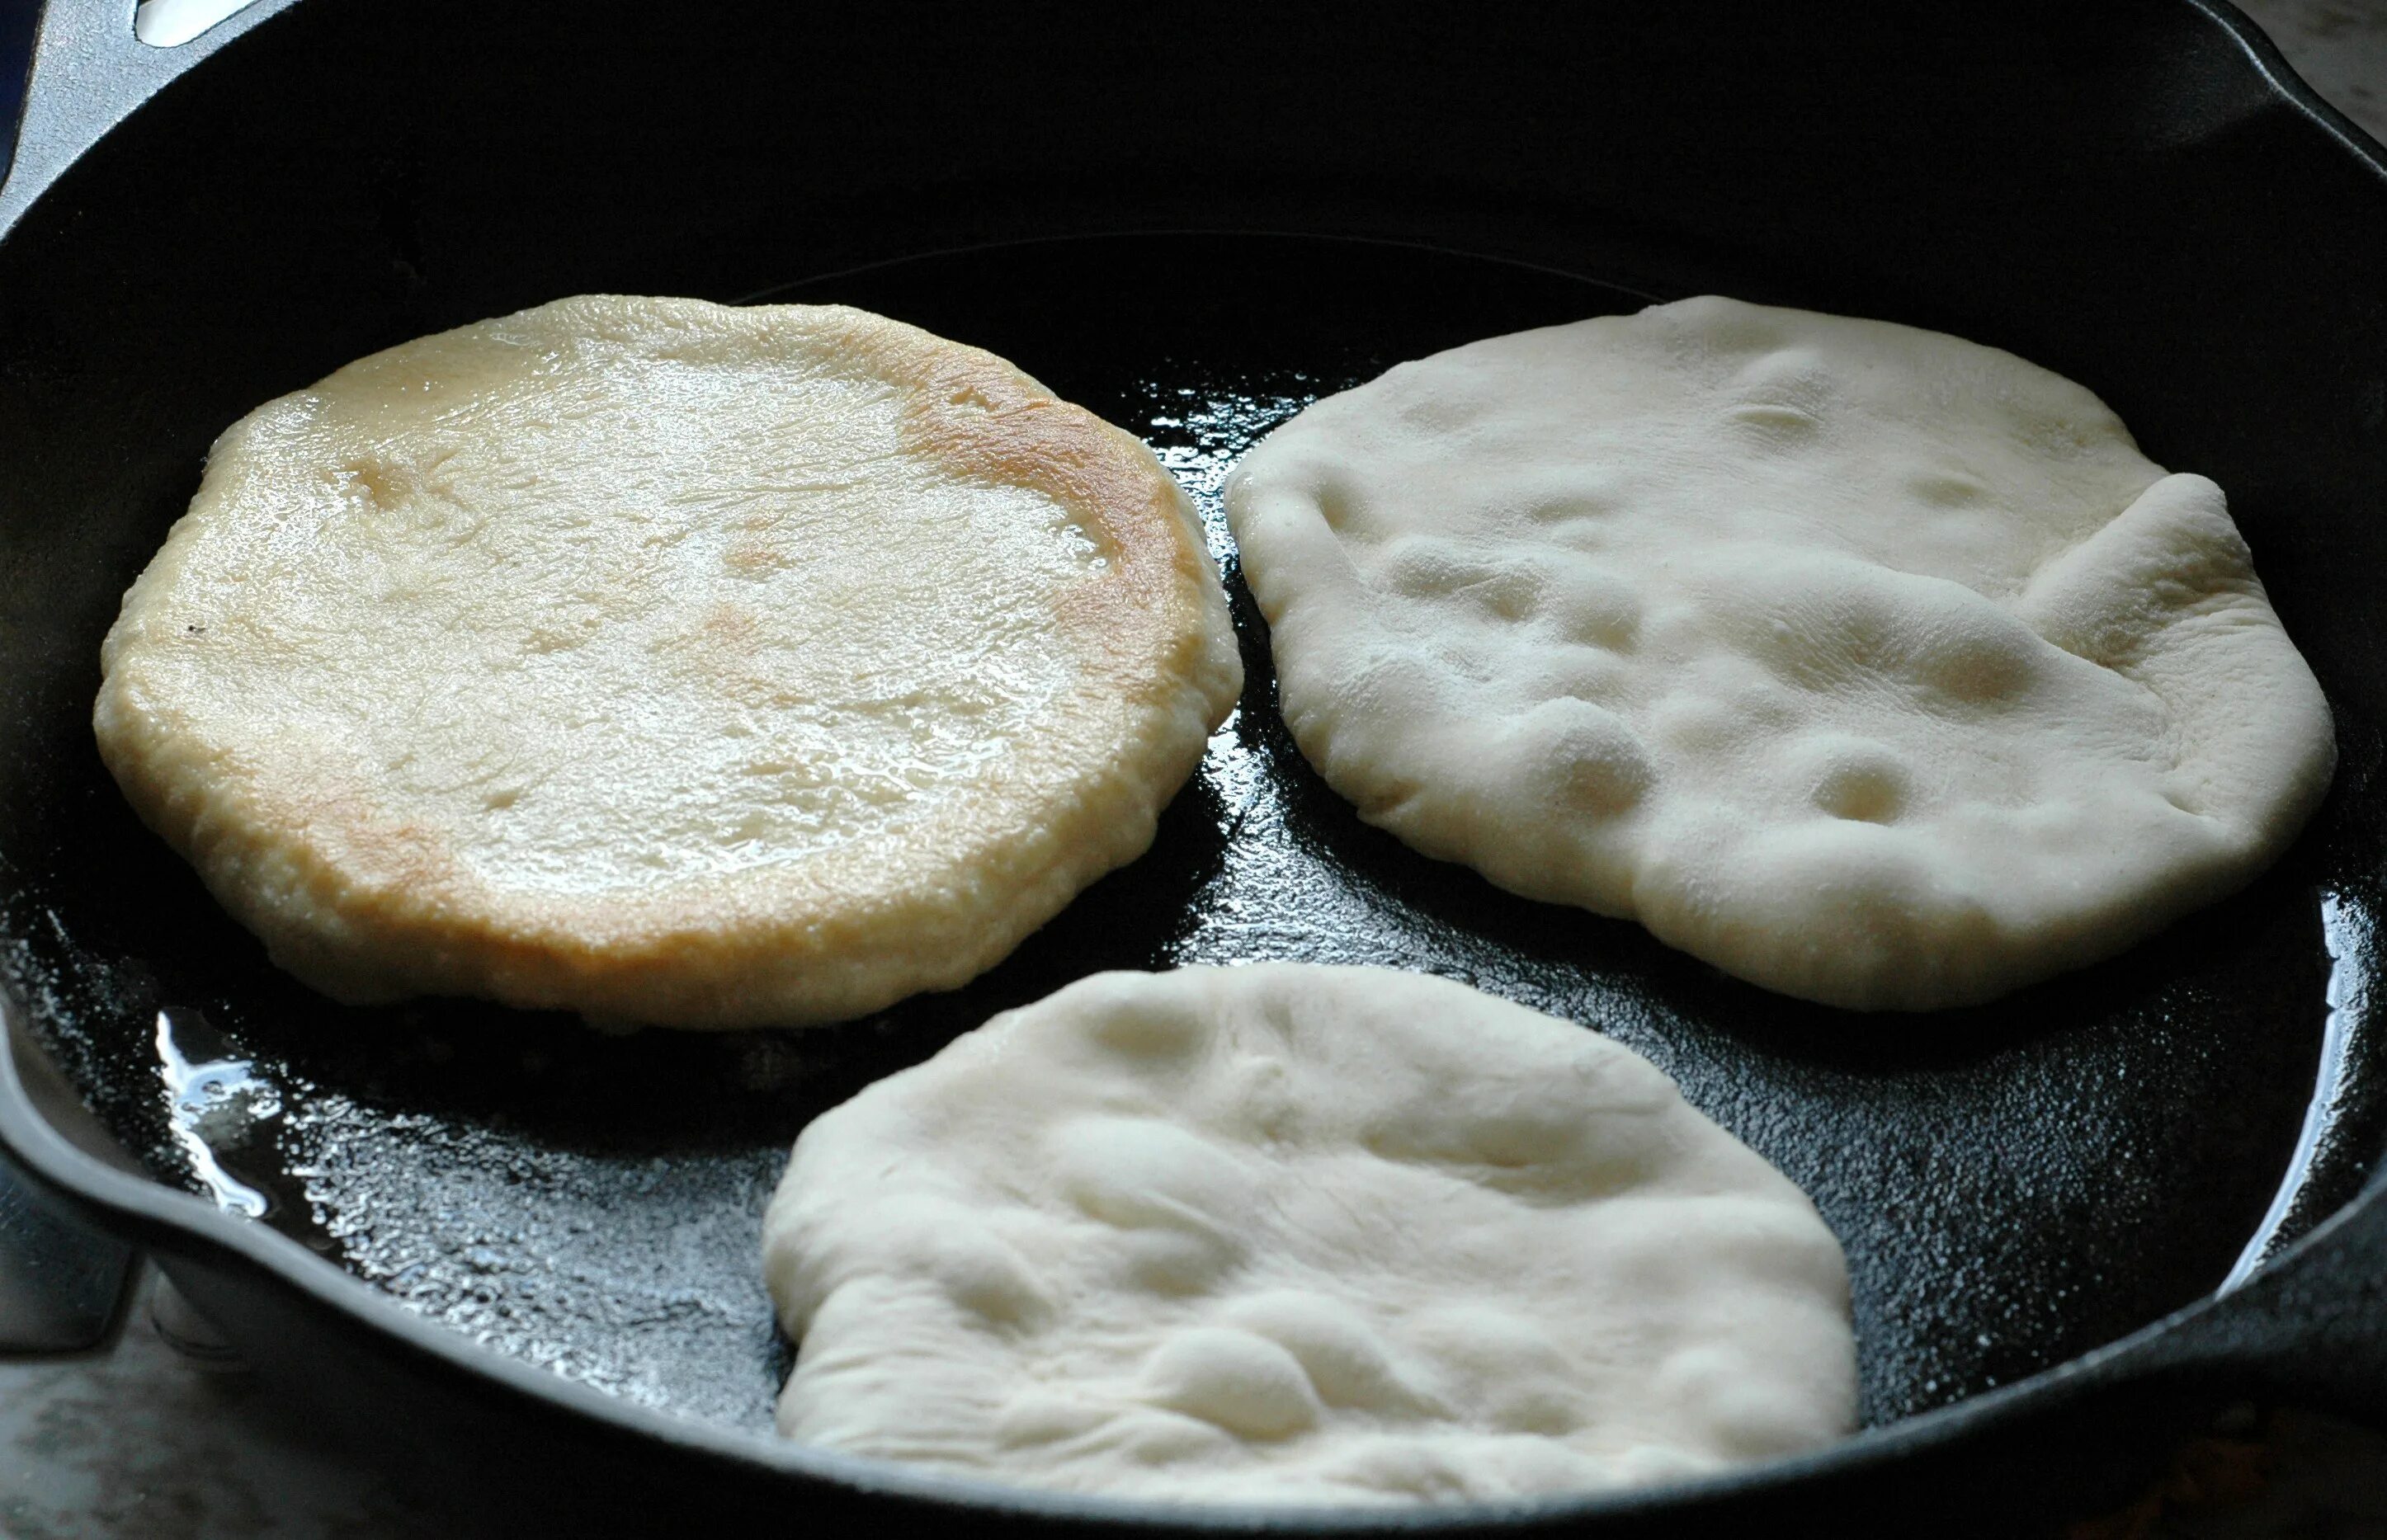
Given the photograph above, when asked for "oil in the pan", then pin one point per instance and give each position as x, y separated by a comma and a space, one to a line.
217, 1105
1200, 434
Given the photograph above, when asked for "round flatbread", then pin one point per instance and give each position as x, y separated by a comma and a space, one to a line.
1288, 1233
1866, 663
666, 662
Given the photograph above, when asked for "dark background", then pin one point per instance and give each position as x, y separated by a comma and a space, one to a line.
15, 52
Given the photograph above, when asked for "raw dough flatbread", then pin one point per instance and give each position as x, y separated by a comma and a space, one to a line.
668, 661
1867, 663
1288, 1233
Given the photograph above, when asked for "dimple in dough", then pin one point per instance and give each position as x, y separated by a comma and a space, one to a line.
1291, 1234
668, 661
1867, 663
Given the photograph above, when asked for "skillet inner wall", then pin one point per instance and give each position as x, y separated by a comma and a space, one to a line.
2014, 1185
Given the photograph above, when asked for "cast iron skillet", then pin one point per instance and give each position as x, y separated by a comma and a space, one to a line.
2073, 1218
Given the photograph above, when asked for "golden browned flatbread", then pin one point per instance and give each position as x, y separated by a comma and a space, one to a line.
666, 662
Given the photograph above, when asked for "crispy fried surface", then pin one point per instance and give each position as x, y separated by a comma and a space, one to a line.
667, 662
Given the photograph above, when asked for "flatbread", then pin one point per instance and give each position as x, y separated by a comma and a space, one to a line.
1291, 1233
667, 662
1866, 663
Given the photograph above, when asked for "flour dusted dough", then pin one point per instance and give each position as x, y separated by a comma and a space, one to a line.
1299, 1233
667, 662
1867, 663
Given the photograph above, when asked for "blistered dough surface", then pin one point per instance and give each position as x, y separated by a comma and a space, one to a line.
666, 661
1290, 1233
1867, 663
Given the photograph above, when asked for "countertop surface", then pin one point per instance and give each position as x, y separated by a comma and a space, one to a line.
156, 1435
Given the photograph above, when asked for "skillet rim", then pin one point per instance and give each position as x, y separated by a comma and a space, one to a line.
172, 1221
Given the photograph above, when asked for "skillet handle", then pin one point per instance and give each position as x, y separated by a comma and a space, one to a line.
89, 72
63, 1278
62, 1284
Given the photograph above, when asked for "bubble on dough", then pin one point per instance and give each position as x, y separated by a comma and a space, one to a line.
1437, 1247
1867, 663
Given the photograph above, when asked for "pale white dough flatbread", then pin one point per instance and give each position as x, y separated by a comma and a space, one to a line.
1865, 662
666, 662
1288, 1233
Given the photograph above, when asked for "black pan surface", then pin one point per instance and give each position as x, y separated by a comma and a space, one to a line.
2015, 1184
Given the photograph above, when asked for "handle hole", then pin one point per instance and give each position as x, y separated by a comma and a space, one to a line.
171, 23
